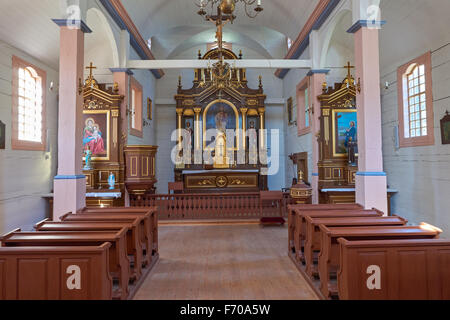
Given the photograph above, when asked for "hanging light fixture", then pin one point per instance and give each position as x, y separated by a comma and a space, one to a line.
228, 7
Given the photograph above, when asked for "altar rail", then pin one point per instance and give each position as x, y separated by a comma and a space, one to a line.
209, 206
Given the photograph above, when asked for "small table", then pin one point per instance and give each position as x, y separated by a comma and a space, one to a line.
272, 197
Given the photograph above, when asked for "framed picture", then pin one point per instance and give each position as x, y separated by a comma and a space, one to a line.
149, 109
445, 129
345, 124
290, 111
2, 135
96, 133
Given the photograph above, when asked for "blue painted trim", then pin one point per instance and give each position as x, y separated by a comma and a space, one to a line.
315, 174
126, 70
75, 177
70, 22
133, 42
317, 25
365, 23
371, 174
317, 71
325, 14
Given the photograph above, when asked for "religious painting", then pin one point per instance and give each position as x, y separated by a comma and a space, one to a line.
445, 129
96, 128
220, 116
149, 109
290, 111
2, 135
345, 126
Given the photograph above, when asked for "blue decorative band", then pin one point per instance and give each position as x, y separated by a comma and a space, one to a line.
76, 177
366, 23
79, 24
315, 174
317, 71
371, 174
126, 70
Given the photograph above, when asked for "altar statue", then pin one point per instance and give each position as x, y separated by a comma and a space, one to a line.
220, 159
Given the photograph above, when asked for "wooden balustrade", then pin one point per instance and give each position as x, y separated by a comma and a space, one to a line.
210, 205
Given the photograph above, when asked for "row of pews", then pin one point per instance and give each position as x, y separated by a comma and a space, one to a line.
348, 253
95, 254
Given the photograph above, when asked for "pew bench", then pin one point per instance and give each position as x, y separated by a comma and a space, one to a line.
134, 248
408, 269
47, 273
292, 209
119, 264
330, 250
300, 230
153, 221
312, 234
144, 231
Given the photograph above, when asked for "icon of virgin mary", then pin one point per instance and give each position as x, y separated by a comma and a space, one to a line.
92, 137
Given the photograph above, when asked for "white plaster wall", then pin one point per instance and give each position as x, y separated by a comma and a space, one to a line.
25, 175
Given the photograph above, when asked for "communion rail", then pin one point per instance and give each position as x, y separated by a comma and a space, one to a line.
210, 206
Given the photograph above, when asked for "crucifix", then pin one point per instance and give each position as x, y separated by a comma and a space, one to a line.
349, 67
91, 67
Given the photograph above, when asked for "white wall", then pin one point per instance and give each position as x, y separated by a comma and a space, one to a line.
25, 175
420, 174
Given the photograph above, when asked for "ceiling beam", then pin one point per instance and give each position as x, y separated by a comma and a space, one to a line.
203, 64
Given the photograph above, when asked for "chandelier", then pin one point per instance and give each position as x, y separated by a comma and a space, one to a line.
227, 7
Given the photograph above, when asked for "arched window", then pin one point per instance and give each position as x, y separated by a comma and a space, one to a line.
416, 119
28, 106
303, 107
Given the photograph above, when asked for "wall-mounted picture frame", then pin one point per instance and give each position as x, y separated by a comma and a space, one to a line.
149, 109
290, 111
445, 128
2, 135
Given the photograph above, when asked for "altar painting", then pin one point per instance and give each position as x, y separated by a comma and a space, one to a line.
96, 128
222, 117
345, 124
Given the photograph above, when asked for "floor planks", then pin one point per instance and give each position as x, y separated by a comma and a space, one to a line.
224, 262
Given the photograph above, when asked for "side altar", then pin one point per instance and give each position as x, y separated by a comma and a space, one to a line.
220, 122
338, 142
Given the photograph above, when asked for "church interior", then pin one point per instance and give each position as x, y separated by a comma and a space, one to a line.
224, 150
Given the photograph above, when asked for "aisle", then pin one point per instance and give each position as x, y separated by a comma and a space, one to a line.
225, 262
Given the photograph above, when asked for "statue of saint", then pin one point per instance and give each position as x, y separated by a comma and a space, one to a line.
221, 120
191, 135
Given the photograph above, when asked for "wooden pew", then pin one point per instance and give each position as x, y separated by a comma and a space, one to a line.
119, 264
300, 229
44, 273
153, 211
329, 253
144, 234
312, 242
292, 216
410, 269
134, 247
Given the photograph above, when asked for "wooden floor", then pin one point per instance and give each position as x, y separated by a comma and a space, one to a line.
224, 262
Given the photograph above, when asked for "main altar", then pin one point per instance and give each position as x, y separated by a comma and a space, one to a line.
219, 127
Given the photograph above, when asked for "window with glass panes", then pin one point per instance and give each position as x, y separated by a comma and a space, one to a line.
417, 103
306, 108
30, 107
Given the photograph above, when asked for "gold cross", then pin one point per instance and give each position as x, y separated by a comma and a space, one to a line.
91, 67
349, 67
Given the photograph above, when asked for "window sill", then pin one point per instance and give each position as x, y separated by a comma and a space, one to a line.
136, 133
27, 146
421, 142
304, 131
